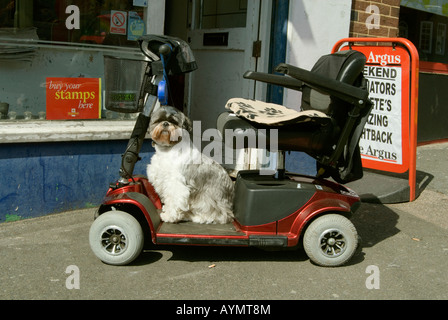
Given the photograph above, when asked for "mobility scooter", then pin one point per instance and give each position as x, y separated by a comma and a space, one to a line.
281, 209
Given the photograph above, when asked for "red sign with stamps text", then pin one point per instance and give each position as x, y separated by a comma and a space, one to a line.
73, 98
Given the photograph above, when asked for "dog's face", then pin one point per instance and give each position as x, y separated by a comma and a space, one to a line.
167, 126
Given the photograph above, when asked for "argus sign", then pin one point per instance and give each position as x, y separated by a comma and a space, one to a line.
389, 139
384, 142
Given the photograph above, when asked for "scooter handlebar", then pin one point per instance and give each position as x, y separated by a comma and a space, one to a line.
144, 47
165, 49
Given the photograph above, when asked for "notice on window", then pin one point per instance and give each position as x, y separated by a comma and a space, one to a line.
381, 139
140, 3
136, 26
118, 22
73, 98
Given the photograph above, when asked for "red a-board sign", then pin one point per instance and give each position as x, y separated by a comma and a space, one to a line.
384, 143
73, 98
389, 139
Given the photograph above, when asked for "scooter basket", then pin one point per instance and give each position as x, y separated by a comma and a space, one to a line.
123, 79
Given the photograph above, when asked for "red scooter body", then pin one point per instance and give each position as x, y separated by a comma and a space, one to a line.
318, 197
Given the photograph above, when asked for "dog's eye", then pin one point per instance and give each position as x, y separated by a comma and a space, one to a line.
173, 120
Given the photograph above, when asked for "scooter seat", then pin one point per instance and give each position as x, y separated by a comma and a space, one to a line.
314, 135
266, 113
335, 93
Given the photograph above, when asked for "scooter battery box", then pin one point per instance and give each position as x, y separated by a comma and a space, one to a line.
261, 199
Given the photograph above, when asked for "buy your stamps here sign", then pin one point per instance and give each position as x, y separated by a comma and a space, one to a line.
73, 98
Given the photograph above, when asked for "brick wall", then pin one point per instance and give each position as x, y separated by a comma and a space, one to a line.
381, 21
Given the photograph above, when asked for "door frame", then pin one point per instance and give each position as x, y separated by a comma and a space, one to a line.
258, 29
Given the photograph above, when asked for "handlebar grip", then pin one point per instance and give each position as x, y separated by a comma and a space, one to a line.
144, 47
164, 49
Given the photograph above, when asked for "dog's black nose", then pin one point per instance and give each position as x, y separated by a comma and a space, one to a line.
166, 124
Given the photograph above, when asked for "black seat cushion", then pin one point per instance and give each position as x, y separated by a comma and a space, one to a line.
311, 137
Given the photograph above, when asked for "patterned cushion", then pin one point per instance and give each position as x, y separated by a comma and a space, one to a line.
270, 113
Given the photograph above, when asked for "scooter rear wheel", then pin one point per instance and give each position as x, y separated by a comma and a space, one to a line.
330, 240
116, 238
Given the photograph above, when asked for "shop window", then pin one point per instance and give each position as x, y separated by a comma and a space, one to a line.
403, 29
61, 74
48, 18
223, 14
426, 36
425, 25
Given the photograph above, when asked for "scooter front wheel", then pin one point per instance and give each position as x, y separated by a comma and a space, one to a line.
330, 240
116, 238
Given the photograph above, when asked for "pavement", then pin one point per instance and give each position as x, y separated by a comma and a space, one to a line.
404, 256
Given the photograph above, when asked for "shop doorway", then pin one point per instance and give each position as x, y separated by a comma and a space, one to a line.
226, 40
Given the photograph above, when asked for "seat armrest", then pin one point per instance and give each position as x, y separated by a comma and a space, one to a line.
341, 90
279, 80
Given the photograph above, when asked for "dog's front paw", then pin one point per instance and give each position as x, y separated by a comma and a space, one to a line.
170, 216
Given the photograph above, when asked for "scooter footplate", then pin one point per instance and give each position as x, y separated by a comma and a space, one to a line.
191, 233
192, 228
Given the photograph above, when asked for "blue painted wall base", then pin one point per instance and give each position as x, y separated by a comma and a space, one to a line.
44, 178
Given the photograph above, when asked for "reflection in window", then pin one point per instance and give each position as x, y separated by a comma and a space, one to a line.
440, 38
29, 68
426, 36
223, 14
48, 19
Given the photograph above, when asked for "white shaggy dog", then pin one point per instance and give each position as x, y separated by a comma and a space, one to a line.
191, 186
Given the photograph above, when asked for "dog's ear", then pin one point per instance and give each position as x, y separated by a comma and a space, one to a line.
187, 125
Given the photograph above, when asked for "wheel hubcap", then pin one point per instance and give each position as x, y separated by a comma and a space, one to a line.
332, 243
113, 240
